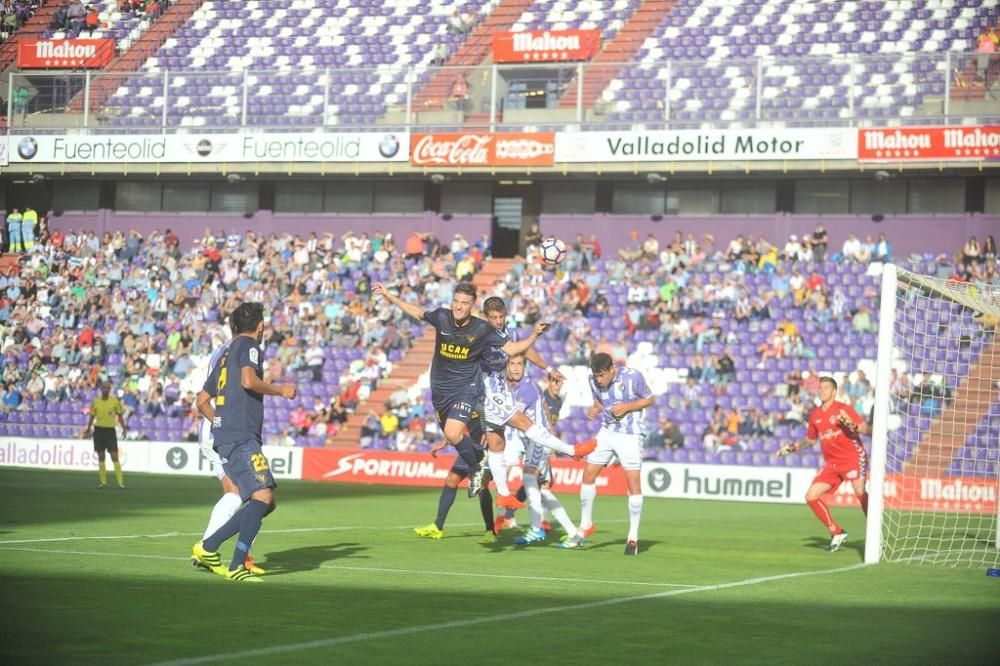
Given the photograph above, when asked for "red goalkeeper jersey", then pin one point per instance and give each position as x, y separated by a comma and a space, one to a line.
838, 445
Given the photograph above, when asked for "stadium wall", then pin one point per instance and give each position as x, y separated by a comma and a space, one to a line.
907, 233
189, 226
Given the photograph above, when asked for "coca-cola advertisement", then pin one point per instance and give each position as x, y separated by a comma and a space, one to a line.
483, 149
65, 53
546, 45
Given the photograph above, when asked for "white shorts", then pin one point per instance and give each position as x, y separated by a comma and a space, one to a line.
205, 441
628, 448
537, 456
513, 448
499, 406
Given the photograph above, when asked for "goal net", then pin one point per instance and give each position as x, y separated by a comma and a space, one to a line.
935, 473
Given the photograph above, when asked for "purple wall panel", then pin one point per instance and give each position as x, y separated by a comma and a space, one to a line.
188, 226
906, 233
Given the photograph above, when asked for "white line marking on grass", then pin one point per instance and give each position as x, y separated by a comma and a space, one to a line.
85, 552
420, 572
94, 538
290, 530
490, 575
455, 624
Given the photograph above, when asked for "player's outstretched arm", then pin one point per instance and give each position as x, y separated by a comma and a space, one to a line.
788, 449
251, 382
514, 348
536, 359
412, 309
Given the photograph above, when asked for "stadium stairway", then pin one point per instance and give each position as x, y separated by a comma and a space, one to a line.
951, 429
118, 70
406, 372
435, 93
32, 28
620, 50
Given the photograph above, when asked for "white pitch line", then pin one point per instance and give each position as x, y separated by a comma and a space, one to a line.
419, 572
291, 530
85, 552
490, 575
504, 617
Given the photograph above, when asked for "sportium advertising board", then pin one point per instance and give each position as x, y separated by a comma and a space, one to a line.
209, 148
910, 144
65, 53
420, 469
708, 145
473, 149
546, 46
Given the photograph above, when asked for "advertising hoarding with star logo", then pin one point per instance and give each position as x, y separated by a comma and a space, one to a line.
546, 45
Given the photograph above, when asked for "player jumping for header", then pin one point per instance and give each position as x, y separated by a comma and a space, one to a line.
456, 373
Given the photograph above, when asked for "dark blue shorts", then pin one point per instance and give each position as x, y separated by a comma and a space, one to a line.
469, 412
461, 468
247, 467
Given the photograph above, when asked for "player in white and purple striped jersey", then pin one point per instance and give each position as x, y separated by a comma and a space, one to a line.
620, 396
501, 409
230, 502
536, 457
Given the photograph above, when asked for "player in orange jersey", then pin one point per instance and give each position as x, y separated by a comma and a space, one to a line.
837, 427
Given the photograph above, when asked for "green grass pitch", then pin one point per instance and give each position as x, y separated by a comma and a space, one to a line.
103, 577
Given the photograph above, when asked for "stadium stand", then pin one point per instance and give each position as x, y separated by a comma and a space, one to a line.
305, 55
716, 44
784, 61
141, 310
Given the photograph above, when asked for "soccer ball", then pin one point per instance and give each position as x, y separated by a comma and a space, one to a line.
553, 251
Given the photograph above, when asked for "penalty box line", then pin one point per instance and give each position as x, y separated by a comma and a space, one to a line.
504, 617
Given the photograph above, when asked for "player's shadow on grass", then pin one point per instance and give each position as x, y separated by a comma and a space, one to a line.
644, 545
821, 544
308, 557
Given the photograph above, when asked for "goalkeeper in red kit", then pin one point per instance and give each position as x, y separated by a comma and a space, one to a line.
838, 428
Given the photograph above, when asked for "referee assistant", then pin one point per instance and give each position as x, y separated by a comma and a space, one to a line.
103, 411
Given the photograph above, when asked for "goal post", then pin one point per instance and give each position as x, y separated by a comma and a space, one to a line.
935, 452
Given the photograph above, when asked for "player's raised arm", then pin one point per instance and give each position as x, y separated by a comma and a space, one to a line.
537, 360
521, 346
412, 309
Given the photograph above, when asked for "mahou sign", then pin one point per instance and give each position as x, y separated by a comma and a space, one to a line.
929, 143
545, 46
483, 150
65, 53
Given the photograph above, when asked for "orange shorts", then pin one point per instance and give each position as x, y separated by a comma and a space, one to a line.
835, 473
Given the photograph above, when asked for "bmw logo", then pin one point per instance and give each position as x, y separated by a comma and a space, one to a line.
204, 148
27, 148
388, 146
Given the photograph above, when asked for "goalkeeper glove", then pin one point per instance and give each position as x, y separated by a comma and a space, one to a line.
785, 450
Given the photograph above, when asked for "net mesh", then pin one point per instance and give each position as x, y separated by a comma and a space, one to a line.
942, 466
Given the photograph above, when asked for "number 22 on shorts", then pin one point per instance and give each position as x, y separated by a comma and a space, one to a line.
259, 462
